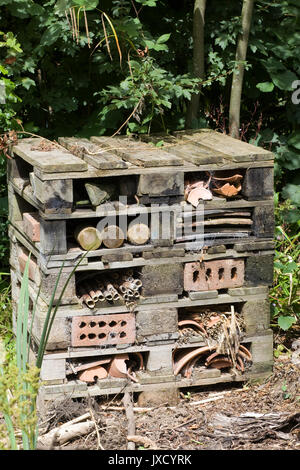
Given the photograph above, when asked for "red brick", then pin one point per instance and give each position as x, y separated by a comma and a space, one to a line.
210, 275
31, 226
95, 330
32, 268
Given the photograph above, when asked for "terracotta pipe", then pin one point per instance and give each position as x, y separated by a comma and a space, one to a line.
245, 351
240, 366
220, 363
187, 323
179, 364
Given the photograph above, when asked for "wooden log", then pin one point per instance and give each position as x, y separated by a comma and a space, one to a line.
138, 233
112, 236
89, 238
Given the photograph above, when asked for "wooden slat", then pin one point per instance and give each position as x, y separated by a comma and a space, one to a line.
188, 151
53, 160
138, 153
234, 148
92, 153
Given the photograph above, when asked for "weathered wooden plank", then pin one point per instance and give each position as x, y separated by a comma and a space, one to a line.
138, 153
236, 150
93, 172
188, 151
92, 154
48, 156
258, 183
161, 184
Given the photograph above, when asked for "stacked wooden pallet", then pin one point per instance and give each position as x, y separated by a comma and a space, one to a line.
145, 309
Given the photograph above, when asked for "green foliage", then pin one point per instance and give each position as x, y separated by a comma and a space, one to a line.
285, 294
18, 392
149, 90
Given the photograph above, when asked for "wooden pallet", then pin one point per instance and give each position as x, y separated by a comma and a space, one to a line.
57, 383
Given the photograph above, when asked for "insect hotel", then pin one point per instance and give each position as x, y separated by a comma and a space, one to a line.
172, 240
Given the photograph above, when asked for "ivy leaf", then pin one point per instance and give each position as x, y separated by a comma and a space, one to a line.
265, 87
285, 322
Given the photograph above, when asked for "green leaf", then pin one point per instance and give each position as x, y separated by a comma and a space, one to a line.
292, 192
87, 4
163, 38
285, 322
284, 80
294, 140
290, 267
265, 87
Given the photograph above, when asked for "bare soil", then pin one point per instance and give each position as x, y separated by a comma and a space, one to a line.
188, 426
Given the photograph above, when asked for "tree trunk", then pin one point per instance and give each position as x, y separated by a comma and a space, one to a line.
238, 74
198, 58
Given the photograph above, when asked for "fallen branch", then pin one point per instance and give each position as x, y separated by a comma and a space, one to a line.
130, 418
65, 433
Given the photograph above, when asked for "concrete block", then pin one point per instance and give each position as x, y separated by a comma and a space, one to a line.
216, 249
241, 291
262, 348
256, 316
162, 279
160, 360
210, 294
259, 270
155, 322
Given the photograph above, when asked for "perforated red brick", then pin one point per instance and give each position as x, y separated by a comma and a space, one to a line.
211, 275
95, 330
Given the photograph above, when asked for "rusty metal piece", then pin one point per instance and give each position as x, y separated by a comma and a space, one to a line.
186, 356
118, 367
191, 323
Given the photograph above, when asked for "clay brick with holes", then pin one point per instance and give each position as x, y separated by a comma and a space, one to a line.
210, 275
98, 330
